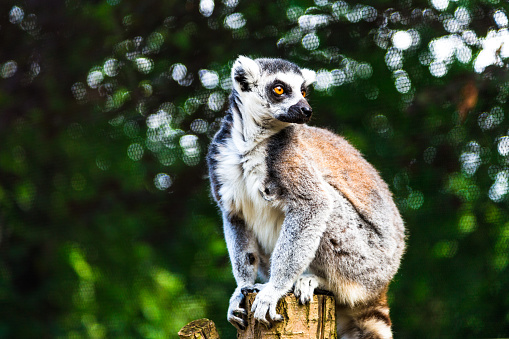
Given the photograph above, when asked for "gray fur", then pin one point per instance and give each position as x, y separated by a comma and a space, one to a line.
285, 216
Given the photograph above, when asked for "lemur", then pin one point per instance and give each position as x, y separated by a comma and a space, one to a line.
300, 205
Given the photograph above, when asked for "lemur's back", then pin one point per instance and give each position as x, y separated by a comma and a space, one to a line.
341, 165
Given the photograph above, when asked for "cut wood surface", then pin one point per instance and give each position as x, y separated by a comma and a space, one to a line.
199, 329
314, 320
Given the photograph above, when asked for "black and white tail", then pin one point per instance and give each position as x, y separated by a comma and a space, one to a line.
365, 321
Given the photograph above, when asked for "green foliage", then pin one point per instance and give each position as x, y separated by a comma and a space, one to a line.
107, 107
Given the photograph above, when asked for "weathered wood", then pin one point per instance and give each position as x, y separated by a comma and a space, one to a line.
199, 329
314, 320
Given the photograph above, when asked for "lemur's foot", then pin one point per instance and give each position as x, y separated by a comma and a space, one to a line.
305, 286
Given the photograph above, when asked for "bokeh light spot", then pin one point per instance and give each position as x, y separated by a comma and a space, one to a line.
324, 80
234, 21
25, 195
162, 181
166, 158
441, 5
415, 200
155, 41
500, 18
356, 14
369, 13
231, 3
209, 79
103, 163
467, 223
94, 78
490, 120
8, 69
338, 77
394, 59
470, 159
16, 15
462, 15
78, 182
437, 69
79, 91
503, 145
469, 37
364, 70
445, 249
310, 41
500, 187
191, 149
135, 152
110, 67
199, 126
216, 101
402, 81
293, 13
311, 22
145, 65
339, 9
178, 72
430, 154
402, 40
206, 7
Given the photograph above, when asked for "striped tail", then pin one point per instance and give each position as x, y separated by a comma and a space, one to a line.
365, 321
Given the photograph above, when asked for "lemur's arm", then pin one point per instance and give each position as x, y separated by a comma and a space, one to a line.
243, 251
309, 207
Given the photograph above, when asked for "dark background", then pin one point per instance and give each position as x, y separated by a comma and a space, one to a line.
107, 228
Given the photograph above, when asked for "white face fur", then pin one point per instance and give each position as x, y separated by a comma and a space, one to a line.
271, 90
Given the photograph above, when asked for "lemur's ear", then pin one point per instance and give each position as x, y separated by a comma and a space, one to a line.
245, 74
309, 76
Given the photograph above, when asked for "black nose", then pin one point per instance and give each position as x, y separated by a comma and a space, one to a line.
307, 111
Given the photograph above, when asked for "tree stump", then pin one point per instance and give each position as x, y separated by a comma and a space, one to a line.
199, 329
314, 320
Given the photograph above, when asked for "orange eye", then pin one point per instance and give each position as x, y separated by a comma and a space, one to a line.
278, 90
303, 93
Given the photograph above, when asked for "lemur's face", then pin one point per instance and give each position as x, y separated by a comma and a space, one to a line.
273, 89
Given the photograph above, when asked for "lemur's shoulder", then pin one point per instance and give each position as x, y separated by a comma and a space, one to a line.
300, 152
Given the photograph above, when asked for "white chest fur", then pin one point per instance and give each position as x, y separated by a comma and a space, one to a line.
242, 179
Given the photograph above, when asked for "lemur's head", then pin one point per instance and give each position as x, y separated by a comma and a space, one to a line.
272, 89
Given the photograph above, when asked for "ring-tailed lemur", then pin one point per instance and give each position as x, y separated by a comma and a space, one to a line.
300, 205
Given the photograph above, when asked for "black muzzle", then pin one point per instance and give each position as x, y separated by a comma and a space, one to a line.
299, 113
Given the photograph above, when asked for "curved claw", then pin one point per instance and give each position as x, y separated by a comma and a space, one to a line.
274, 315
239, 323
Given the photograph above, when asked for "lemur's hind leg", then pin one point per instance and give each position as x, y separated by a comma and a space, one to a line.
305, 286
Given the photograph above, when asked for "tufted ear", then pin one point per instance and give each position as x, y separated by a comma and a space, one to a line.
309, 76
245, 74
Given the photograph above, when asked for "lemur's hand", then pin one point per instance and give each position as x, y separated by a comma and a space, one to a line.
266, 302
